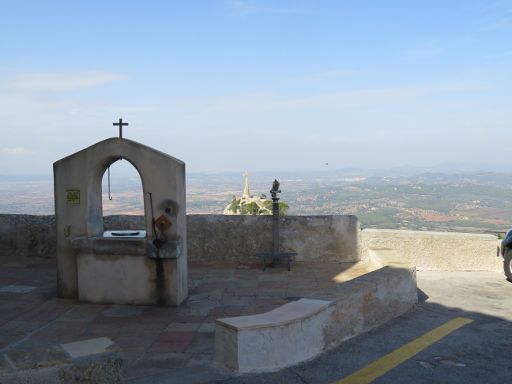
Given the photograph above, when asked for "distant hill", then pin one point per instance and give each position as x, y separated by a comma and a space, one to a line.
479, 201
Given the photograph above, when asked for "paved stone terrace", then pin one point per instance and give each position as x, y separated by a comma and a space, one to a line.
152, 340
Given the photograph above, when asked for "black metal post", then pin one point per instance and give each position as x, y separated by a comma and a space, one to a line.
275, 217
276, 253
275, 225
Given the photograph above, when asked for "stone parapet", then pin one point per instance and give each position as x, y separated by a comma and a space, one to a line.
436, 251
24, 236
235, 239
211, 238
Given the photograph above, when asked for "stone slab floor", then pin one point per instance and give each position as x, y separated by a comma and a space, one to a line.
37, 329
175, 345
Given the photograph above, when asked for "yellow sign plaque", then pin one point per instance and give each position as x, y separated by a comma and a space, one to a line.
73, 196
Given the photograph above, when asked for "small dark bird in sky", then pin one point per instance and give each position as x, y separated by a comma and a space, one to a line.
326, 163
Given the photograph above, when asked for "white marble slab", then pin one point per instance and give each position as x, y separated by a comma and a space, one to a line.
87, 347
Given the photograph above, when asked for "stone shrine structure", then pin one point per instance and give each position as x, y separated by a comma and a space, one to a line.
146, 266
242, 205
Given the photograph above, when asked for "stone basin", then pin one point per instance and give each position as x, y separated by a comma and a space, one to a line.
125, 269
125, 233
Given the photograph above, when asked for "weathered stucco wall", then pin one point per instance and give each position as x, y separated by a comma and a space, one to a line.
220, 238
217, 238
446, 251
211, 238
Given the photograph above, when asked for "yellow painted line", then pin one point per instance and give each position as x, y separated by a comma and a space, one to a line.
386, 363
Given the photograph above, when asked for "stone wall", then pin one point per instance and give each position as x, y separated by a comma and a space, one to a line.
444, 251
211, 238
220, 238
27, 236
34, 236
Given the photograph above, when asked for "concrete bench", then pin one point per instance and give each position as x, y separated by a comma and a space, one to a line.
269, 341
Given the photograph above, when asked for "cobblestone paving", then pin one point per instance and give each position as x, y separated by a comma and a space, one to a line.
34, 322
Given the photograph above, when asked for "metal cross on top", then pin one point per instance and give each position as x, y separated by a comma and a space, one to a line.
120, 124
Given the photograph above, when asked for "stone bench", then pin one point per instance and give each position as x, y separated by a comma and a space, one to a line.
269, 341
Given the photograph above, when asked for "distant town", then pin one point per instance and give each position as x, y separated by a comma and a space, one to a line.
478, 202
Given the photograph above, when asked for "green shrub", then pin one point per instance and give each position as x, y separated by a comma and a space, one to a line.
250, 209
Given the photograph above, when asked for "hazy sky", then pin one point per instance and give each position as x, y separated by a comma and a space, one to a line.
235, 85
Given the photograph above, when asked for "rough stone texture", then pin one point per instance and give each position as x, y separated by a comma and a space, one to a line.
442, 251
220, 238
371, 300
24, 236
123, 222
211, 238
27, 236
102, 369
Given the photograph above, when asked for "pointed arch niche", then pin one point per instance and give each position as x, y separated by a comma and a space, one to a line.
122, 198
